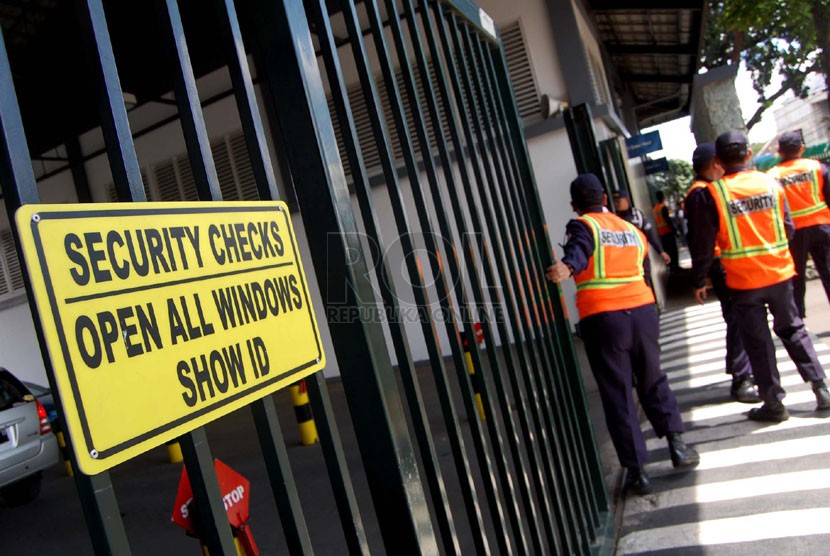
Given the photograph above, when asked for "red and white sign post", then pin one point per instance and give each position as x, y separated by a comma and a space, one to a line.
235, 491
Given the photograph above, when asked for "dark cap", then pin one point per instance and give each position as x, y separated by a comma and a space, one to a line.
731, 147
790, 142
586, 191
704, 154
620, 194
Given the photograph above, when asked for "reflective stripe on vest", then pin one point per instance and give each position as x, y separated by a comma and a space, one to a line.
803, 182
613, 280
616, 238
751, 235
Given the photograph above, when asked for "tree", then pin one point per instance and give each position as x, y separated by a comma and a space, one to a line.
676, 181
787, 37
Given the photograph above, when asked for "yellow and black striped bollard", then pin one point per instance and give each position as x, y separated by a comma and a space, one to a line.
302, 409
473, 378
67, 463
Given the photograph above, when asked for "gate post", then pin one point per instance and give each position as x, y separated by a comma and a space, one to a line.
285, 53
97, 497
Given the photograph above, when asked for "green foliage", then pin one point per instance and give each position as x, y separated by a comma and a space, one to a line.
676, 181
784, 37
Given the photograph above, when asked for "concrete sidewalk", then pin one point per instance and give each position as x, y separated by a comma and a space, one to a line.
760, 488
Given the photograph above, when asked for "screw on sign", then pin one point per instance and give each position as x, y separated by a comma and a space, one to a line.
235, 491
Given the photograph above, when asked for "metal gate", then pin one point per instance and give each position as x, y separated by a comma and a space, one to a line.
440, 136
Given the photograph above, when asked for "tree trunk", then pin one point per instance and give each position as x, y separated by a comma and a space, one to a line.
821, 16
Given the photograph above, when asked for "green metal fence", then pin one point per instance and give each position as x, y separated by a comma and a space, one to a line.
452, 161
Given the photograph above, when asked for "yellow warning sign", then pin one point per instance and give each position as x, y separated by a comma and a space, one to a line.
161, 317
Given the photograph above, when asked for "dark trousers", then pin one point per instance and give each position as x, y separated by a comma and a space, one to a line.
815, 241
622, 345
751, 313
669, 242
737, 361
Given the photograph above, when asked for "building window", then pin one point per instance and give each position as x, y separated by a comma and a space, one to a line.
172, 180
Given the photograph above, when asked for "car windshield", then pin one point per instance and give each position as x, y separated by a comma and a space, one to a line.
10, 393
36, 389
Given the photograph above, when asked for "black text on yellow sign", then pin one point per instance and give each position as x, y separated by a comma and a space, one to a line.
160, 317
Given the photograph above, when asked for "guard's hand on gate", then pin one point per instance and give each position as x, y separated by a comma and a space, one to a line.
700, 295
558, 272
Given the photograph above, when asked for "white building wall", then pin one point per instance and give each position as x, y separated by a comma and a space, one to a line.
810, 115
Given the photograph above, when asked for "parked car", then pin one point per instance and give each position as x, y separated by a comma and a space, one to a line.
44, 396
27, 444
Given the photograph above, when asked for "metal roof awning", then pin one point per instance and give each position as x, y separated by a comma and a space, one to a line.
653, 48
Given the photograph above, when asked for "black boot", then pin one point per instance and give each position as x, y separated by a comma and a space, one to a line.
769, 413
822, 394
637, 481
743, 390
681, 455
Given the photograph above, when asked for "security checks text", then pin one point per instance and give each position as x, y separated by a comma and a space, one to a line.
160, 317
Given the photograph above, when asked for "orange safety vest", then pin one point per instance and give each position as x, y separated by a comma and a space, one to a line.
613, 280
803, 183
662, 225
698, 184
751, 234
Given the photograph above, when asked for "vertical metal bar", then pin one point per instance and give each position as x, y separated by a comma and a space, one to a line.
187, 99
211, 520
503, 203
406, 367
522, 469
544, 249
580, 483
265, 417
509, 202
341, 482
76, 166
493, 426
509, 272
246, 102
97, 497
443, 88
289, 66
279, 472
126, 173
461, 225
210, 513
265, 179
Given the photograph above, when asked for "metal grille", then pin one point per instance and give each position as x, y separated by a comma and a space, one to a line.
521, 72
441, 128
11, 278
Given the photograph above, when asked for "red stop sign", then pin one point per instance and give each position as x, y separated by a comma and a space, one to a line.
479, 332
235, 491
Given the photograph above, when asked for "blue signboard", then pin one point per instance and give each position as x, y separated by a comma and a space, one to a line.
656, 166
640, 145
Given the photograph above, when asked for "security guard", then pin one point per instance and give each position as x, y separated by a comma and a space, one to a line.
745, 213
666, 229
807, 185
629, 213
618, 320
737, 361
633, 215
